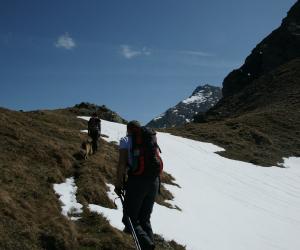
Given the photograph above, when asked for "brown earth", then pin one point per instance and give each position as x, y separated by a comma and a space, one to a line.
39, 149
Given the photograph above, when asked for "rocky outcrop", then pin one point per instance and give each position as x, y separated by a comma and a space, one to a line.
281, 46
87, 109
246, 88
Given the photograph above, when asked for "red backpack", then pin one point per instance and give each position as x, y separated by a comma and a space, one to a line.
145, 152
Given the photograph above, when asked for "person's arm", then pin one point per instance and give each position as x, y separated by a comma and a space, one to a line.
121, 169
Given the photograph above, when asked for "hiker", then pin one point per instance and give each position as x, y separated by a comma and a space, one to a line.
140, 162
94, 130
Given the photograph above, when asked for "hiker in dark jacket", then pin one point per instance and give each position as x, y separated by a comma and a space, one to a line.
94, 130
140, 191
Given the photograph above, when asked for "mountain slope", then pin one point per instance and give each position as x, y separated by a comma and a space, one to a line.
202, 99
41, 148
261, 131
36, 151
258, 118
280, 47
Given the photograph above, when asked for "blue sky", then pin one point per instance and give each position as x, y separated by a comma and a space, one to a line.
138, 57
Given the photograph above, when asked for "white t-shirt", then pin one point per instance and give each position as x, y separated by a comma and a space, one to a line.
126, 143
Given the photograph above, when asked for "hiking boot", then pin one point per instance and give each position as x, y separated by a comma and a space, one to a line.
147, 246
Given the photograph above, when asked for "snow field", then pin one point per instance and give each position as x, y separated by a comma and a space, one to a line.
226, 204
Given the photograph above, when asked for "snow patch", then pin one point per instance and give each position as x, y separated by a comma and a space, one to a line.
113, 215
291, 162
196, 98
67, 192
157, 118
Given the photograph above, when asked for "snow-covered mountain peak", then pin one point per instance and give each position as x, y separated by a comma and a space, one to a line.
200, 95
203, 98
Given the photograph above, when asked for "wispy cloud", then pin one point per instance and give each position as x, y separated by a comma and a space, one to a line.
128, 52
65, 41
196, 53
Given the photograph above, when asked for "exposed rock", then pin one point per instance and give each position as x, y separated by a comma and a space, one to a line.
87, 109
202, 99
247, 88
281, 46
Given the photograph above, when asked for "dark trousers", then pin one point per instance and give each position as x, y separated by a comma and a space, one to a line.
138, 205
94, 134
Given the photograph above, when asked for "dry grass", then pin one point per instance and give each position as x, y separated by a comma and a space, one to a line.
41, 148
32, 157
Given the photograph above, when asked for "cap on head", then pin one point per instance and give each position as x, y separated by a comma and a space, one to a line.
94, 114
133, 125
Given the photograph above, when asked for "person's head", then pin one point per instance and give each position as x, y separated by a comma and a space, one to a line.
132, 126
94, 114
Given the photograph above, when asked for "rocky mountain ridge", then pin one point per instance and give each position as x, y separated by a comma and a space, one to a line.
278, 48
203, 98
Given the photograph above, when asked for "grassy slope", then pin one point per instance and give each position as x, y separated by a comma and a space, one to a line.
263, 124
37, 150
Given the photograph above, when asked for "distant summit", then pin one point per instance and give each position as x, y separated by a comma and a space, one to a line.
203, 98
87, 109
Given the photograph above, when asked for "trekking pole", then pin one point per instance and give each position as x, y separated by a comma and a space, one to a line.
133, 234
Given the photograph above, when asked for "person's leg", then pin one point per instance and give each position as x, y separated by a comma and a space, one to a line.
134, 196
147, 207
94, 136
97, 140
